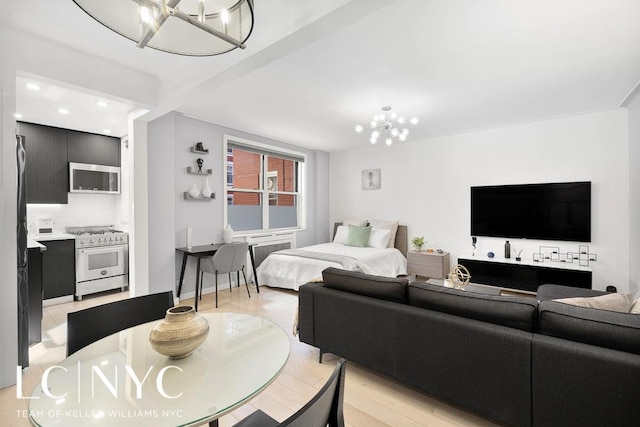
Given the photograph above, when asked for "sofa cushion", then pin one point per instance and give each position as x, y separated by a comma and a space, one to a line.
514, 312
618, 331
549, 292
385, 288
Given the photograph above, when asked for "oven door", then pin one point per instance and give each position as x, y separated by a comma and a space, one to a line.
98, 263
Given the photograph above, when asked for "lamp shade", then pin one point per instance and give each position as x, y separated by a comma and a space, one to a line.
183, 27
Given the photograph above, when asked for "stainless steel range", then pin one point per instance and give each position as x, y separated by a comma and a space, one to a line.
102, 259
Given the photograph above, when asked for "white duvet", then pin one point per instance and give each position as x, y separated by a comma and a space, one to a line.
284, 271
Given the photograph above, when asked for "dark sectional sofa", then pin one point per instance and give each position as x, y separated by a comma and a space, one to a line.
515, 360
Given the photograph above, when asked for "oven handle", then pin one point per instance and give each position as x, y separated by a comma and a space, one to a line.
100, 249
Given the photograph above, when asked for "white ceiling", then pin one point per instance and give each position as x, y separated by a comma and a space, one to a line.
312, 70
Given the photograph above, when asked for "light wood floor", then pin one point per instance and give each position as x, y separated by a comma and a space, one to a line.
370, 400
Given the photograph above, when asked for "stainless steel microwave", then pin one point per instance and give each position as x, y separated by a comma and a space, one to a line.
85, 178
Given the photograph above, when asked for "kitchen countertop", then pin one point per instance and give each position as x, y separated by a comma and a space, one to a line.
31, 244
53, 236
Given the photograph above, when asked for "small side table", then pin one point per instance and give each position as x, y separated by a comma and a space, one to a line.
428, 264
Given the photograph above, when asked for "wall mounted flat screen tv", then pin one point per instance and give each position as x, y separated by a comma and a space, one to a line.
554, 211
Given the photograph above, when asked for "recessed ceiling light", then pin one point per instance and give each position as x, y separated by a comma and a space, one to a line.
106, 131
101, 104
32, 86
17, 115
63, 111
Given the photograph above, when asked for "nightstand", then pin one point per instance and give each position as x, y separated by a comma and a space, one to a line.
428, 264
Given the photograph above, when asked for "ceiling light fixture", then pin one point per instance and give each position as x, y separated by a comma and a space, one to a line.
107, 131
388, 124
63, 111
102, 104
32, 86
183, 27
17, 115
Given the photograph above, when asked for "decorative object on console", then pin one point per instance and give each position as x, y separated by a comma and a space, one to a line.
180, 333
459, 276
474, 240
518, 254
417, 243
206, 190
553, 254
371, 179
507, 250
490, 254
140, 21
388, 124
189, 235
227, 234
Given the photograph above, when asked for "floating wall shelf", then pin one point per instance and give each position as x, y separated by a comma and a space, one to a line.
194, 171
205, 151
187, 196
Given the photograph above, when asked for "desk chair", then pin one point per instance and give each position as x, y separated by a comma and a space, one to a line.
230, 258
91, 324
324, 409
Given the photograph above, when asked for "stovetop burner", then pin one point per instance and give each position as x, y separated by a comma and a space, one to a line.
97, 235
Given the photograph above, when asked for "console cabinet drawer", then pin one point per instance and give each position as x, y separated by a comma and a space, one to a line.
425, 264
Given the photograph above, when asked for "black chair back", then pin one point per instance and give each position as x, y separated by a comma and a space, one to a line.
326, 407
90, 325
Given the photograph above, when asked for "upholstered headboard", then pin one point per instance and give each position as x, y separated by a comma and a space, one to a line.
401, 244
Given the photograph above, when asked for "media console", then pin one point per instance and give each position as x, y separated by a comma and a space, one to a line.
525, 275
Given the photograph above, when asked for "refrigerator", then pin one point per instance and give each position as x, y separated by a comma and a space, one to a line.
23, 277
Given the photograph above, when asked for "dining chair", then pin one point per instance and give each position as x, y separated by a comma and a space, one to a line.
91, 324
324, 409
229, 258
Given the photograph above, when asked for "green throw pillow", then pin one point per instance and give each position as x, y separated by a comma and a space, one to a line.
358, 236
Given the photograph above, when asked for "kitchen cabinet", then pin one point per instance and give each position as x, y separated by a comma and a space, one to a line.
59, 268
93, 149
35, 295
46, 164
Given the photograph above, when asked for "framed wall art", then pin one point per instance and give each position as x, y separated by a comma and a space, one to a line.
371, 179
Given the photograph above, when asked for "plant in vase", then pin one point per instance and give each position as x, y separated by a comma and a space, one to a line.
417, 243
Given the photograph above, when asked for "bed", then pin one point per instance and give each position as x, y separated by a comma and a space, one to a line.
290, 269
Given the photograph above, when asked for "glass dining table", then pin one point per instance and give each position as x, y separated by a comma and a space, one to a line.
121, 381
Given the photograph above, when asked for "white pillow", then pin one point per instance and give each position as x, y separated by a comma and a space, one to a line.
388, 225
341, 234
379, 238
356, 222
635, 308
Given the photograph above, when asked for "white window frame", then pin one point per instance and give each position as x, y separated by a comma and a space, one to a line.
301, 194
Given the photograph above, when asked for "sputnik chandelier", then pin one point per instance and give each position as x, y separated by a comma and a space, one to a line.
183, 27
388, 125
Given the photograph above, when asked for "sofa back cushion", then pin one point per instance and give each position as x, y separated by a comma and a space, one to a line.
385, 288
603, 328
513, 312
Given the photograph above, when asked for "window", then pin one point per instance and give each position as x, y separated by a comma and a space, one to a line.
264, 186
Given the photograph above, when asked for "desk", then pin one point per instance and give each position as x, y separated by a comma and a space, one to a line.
242, 355
205, 251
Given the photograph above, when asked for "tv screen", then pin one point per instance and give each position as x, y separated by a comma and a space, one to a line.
555, 211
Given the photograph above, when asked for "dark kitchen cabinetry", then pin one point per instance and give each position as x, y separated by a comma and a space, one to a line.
59, 268
46, 165
35, 295
48, 151
93, 149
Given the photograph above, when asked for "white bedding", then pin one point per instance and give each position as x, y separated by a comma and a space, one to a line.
284, 271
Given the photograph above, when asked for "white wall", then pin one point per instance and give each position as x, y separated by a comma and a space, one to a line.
82, 209
425, 184
634, 191
170, 138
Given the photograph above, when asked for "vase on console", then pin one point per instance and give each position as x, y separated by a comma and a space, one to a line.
227, 234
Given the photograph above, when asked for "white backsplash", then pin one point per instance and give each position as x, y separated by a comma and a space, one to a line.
82, 210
